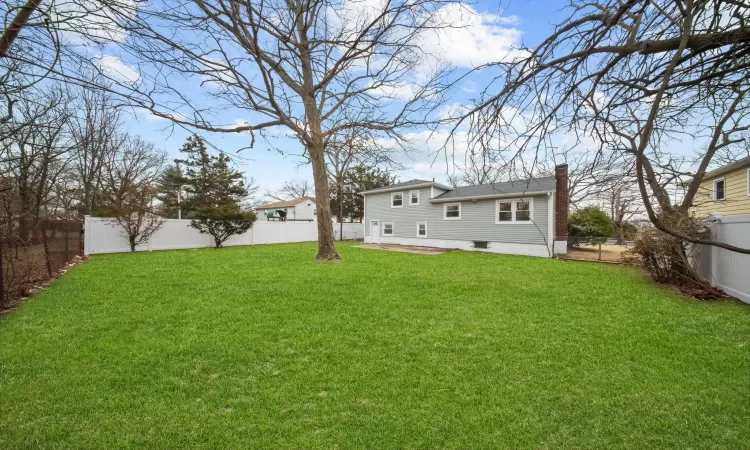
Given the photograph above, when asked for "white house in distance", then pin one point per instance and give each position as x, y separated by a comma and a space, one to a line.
302, 208
523, 217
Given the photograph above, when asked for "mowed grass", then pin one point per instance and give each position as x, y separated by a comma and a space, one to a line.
262, 347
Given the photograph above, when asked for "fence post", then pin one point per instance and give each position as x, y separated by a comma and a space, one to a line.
716, 231
2, 273
86, 235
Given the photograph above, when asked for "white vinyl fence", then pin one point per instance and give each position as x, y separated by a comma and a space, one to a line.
728, 271
102, 235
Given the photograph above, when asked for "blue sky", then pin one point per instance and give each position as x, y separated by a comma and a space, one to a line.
529, 21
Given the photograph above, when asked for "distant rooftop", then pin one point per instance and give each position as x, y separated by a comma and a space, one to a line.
285, 203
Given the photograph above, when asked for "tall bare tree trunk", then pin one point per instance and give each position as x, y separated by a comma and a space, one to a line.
326, 245
316, 149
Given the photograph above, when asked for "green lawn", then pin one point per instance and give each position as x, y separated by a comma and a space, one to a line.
263, 347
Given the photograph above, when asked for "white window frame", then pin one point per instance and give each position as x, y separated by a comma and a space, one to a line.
382, 229
394, 194
425, 229
445, 211
513, 201
713, 184
414, 204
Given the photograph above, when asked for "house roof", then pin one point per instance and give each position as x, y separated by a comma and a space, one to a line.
500, 189
728, 168
285, 203
406, 184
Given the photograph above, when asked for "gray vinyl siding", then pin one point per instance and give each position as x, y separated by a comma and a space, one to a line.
477, 219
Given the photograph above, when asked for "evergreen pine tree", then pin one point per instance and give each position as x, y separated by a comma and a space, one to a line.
214, 192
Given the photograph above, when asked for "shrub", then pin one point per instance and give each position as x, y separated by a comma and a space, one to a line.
666, 258
589, 225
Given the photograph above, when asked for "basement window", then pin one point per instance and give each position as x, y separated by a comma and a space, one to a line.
480, 244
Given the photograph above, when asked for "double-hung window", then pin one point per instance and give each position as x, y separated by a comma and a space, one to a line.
397, 200
387, 229
513, 211
719, 189
414, 197
421, 229
452, 211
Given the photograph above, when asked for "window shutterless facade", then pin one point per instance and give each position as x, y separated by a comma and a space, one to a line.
452, 211
387, 229
514, 211
397, 200
414, 197
421, 229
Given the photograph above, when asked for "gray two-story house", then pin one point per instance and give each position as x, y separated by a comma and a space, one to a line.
523, 217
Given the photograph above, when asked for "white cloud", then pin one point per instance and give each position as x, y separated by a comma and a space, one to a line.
393, 91
216, 74
115, 68
468, 38
469, 87
82, 21
508, 20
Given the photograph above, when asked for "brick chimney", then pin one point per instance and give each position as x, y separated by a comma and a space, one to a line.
561, 202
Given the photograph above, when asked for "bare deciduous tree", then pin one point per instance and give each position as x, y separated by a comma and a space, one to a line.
97, 140
36, 154
296, 65
633, 77
292, 189
130, 185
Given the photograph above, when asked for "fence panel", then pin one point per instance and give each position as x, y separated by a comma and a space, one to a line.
105, 236
724, 269
34, 254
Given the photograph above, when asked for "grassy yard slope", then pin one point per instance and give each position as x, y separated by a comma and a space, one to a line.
263, 347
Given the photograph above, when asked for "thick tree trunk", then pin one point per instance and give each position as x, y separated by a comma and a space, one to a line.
619, 232
316, 150
326, 242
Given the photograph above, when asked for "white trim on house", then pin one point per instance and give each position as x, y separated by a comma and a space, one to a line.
393, 195
513, 211
490, 196
382, 229
445, 211
425, 230
410, 197
716, 199
551, 224
539, 250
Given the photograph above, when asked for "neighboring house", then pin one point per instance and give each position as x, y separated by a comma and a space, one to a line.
525, 217
725, 190
302, 208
